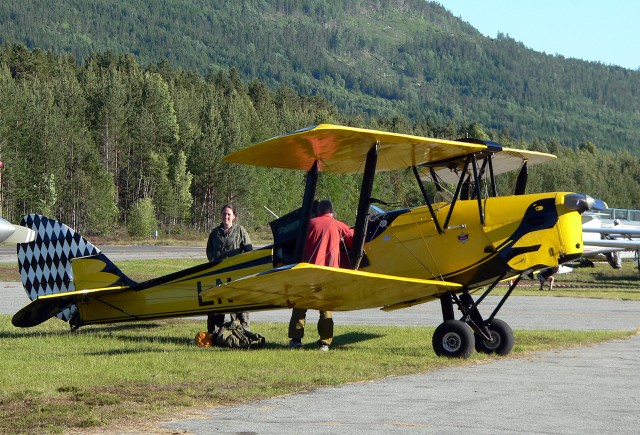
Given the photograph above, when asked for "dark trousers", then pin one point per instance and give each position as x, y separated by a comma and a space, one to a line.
215, 321
325, 325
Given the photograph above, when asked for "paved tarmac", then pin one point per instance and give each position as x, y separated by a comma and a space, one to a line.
134, 252
592, 390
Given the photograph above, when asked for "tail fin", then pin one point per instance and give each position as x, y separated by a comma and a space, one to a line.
45, 263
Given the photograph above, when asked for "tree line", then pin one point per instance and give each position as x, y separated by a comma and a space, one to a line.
99, 143
405, 58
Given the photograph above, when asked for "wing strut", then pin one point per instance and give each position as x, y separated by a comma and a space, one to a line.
477, 187
457, 194
426, 200
364, 202
305, 214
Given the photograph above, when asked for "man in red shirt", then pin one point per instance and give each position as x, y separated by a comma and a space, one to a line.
325, 235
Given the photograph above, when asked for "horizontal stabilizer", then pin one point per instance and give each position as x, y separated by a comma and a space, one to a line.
41, 310
45, 307
324, 288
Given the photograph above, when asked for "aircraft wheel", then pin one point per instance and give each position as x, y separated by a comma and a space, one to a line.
453, 339
501, 341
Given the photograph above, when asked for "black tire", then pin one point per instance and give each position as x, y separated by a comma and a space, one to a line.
453, 339
501, 341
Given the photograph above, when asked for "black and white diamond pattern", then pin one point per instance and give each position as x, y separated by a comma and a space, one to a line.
45, 263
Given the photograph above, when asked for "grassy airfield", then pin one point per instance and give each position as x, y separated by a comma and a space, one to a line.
132, 376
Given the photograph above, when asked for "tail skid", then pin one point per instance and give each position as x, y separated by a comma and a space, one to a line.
45, 264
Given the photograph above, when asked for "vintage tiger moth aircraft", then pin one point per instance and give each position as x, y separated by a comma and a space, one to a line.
439, 251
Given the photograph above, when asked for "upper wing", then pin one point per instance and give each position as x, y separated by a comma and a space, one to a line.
342, 149
324, 288
504, 160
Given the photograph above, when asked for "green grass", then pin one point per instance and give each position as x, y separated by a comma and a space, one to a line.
135, 374
132, 374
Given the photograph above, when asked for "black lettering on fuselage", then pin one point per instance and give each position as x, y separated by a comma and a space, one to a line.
212, 302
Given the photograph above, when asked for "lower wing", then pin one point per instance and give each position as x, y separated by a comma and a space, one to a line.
630, 245
324, 288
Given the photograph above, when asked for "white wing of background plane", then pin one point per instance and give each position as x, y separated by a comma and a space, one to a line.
601, 240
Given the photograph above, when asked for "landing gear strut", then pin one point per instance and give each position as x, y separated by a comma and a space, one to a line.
457, 338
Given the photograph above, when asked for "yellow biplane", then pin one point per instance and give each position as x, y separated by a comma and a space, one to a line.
436, 251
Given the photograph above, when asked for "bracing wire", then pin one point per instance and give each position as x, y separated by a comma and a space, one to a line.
406, 202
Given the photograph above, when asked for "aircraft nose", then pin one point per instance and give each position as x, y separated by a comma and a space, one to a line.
581, 202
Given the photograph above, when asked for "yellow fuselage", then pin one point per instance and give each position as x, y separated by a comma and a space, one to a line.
180, 295
519, 233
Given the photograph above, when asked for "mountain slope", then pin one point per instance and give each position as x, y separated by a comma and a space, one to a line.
406, 58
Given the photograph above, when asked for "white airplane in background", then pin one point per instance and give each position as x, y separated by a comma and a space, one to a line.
10, 233
604, 240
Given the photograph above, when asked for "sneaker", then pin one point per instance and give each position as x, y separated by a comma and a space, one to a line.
323, 347
295, 344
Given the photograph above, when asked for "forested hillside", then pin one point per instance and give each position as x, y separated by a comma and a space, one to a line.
109, 142
408, 59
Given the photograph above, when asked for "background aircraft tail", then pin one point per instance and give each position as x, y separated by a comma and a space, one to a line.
45, 263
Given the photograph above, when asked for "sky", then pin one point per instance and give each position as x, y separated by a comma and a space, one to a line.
593, 30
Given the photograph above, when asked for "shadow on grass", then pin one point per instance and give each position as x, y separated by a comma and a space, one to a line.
145, 342
339, 340
90, 330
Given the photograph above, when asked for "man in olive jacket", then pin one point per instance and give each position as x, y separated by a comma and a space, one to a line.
226, 240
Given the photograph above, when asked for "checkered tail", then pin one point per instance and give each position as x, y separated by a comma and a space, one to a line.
45, 263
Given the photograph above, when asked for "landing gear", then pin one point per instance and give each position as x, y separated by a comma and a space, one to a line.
458, 338
74, 320
501, 341
453, 339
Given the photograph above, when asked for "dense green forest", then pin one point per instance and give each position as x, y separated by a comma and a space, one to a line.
409, 59
98, 144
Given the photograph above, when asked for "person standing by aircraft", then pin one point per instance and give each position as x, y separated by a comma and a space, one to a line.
547, 275
226, 240
322, 247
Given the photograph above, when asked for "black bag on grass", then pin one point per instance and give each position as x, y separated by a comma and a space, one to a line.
233, 335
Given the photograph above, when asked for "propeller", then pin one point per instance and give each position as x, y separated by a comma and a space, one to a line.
579, 202
521, 182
